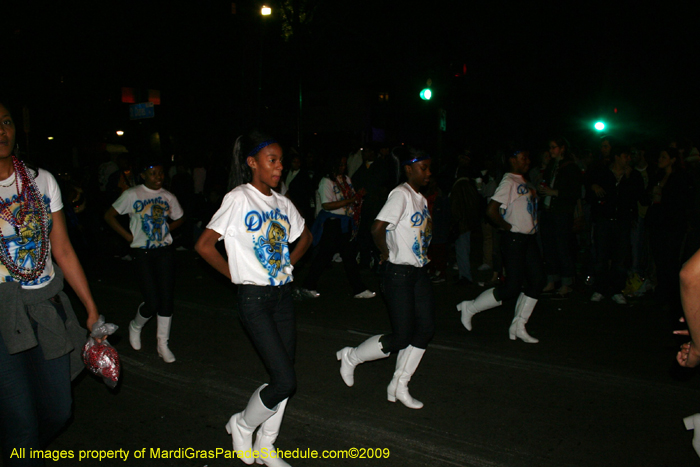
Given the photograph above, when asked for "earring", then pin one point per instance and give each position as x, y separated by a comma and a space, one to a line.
16, 151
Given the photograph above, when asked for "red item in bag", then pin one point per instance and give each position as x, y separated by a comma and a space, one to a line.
102, 360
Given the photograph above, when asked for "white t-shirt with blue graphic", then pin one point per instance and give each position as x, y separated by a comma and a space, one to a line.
149, 212
21, 242
518, 203
329, 192
410, 227
257, 230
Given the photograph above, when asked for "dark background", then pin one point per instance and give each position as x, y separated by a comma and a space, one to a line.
502, 71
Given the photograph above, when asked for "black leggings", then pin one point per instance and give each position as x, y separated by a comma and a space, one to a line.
267, 314
156, 270
523, 265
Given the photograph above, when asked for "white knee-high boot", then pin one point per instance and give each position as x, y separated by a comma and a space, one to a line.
469, 308
692, 422
350, 357
135, 327
265, 439
406, 364
523, 310
163, 335
242, 425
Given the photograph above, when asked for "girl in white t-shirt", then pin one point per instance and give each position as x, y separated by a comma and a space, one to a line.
336, 229
513, 208
402, 231
257, 225
153, 213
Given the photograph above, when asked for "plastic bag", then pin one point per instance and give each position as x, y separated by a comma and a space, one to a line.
102, 359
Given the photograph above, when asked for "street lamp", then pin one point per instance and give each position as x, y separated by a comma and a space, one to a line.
264, 11
120, 133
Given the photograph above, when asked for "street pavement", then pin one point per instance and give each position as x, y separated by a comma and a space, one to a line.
600, 389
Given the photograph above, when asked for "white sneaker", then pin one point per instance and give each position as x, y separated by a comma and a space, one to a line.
337, 258
306, 293
619, 299
596, 297
366, 294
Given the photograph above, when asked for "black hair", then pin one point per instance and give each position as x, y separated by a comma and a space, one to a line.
507, 155
245, 147
148, 163
562, 142
331, 166
8, 104
672, 152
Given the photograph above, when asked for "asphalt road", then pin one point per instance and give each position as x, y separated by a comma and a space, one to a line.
600, 389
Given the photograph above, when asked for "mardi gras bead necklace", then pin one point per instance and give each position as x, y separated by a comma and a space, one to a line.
30, 202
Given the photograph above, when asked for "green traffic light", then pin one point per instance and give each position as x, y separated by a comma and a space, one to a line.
600, 126
426, 94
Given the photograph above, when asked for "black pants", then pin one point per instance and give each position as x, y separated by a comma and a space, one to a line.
332, 241
523, 265
556, 229
156, 270
613, 245
409, 297
267, 314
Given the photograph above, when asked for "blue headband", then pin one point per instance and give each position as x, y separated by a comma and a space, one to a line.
260, 146
417, 159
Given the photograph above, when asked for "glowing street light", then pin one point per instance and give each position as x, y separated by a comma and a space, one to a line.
266, 10
600, 126
426, 94
120, 133
50, 138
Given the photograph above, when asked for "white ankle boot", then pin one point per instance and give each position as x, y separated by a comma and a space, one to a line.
693, 423
266, 437
350, 357
135, 327
406, 364
469, 308
162, 335
242, 425
523, 310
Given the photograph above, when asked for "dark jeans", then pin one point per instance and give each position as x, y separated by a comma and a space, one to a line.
156, 270
666, 246
267, 314
523, 266
35, 401
556, 229
409, 297
611, 240
332, 241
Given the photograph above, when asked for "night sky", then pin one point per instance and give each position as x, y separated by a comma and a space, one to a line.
533, 69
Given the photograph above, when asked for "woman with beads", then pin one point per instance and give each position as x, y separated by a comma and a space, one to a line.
402, 232
153, 213
40, 338
257, 225
513, 208
336, 229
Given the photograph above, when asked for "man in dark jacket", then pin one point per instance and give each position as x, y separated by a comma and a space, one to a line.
613, 191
